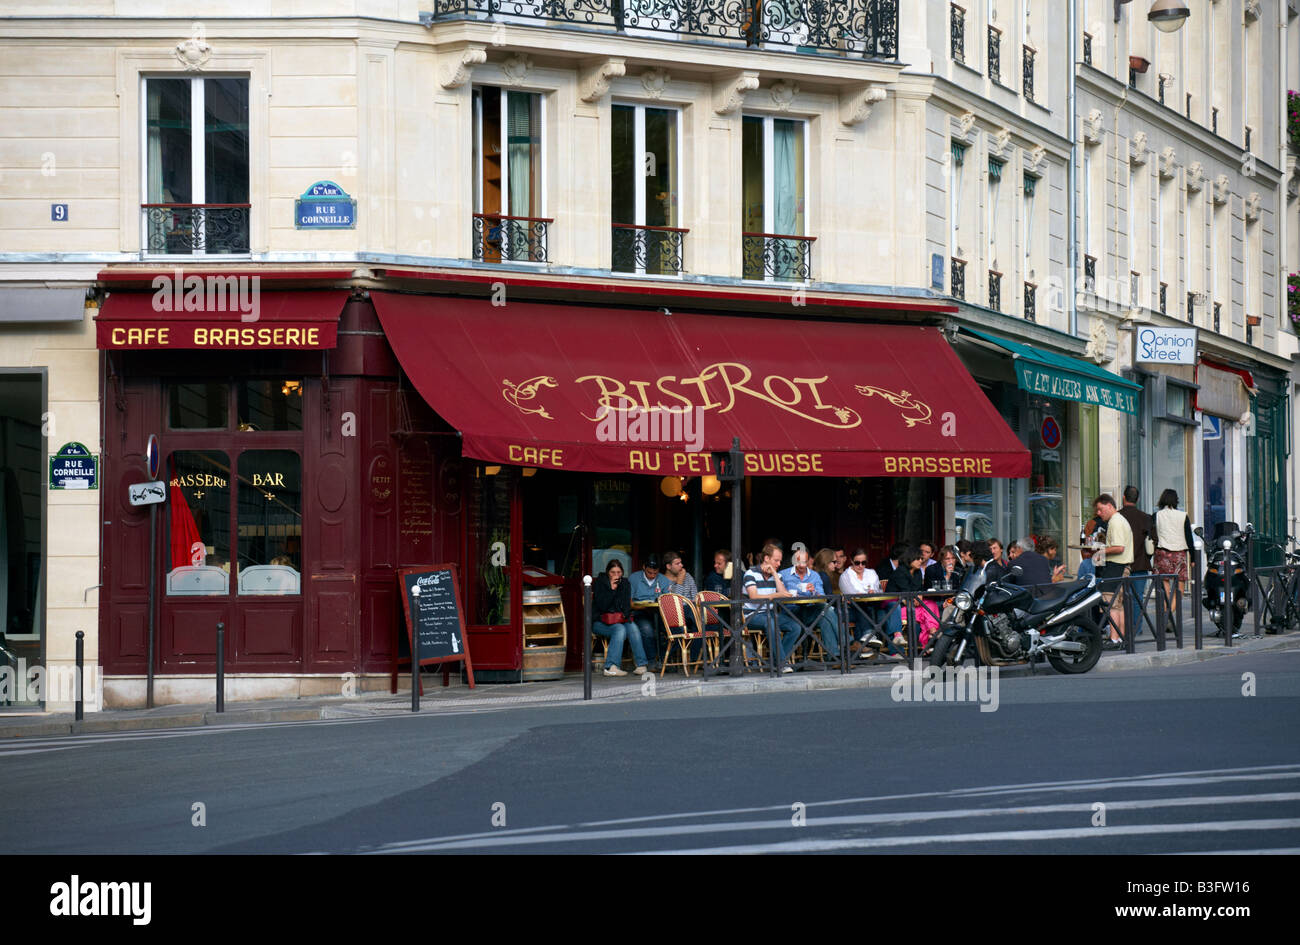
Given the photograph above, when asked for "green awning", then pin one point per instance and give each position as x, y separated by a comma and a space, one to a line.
1058, 375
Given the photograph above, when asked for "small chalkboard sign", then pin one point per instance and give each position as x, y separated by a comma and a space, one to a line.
435, 613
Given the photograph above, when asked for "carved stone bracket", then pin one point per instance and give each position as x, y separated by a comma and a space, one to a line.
1220, 195
783, 94
856, 105
1035, 159
460, 63
1098, 341
654, 81
729, 91
594, 78
1251, 9
517, 68
1252, 206
1092, 127
999, 140
1195, 177
1137, 151
965, 123
1168, 163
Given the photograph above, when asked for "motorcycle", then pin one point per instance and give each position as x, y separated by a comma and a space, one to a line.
1228, 557
1000, 623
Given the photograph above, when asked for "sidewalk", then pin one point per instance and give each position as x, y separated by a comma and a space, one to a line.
567, 691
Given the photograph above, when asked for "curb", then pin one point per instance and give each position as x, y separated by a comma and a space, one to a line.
42, 726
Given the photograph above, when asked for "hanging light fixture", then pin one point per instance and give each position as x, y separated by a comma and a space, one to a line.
671, 486
710, 485
1168, 15
529, 471
492, 470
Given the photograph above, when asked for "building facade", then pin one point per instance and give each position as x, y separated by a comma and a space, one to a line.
212, 223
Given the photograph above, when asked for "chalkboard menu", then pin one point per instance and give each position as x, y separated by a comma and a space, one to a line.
436, 614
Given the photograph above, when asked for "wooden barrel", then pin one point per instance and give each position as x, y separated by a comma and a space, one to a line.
543, 662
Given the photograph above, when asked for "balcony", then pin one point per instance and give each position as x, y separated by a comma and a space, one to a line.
1164, 298
1031, 302
1218, 307
1090, 274
191, 229
1087, 49
1191, 308
957, 27
958, 278
866, 29
499, 238
778, 257
995, 54
648, 250
1027, 58
995, 290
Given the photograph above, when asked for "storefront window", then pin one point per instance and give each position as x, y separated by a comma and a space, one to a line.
270, 404
198, 406
1169, 466
1214, 441
612, 532
1046, 477
198, 523
1089, 459
489, 551
270, 522
975, 509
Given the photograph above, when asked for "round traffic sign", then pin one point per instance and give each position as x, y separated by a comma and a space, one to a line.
1051, 433
151, 455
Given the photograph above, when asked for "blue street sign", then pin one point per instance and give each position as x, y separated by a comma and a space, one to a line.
324, 206
936, 271
74, 467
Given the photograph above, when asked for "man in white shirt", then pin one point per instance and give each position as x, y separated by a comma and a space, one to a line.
1119, 556
763, 581
802, 581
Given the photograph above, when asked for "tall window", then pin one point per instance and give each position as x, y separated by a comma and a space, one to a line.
1087, 202
1030, 188
644, 190
196, 165
995, 190
958, 154
508, 192
773, 218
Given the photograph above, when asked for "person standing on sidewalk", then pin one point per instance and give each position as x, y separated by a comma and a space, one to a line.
1144, 530
1119, 556
1174, 539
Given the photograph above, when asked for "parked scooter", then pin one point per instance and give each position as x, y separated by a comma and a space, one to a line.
1227, 557
1003, 624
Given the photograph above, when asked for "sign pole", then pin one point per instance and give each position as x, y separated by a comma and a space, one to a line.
153, 600
415, 651
737, 611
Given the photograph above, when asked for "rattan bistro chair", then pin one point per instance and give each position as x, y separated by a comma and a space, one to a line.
708, 603
673, 609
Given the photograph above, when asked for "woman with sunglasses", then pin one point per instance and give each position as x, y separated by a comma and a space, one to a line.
860, 579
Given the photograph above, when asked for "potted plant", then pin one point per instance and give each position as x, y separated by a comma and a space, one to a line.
1293, 300
1293, 119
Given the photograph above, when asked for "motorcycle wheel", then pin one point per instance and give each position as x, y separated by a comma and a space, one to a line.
1078, 662
939, 655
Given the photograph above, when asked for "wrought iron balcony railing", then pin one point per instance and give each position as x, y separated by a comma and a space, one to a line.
779, 256
958, 278
1090, 274
995, 290
1087, 49
500, 238
654, 250
1191, 308
995, 54
187, 229
866, 28
1031, 302
1218, 307
1027, 60
1164, 298
957, 26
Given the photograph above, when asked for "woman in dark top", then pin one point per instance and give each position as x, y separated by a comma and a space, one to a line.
611, 598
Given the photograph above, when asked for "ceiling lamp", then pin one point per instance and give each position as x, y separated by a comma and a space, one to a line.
710, 485
671, 486
1168, 15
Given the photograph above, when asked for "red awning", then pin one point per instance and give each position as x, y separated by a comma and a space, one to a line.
603, 390
217, 314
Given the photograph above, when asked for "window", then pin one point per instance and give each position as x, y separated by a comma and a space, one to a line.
198, 523
198, 406
196, 166
1030, 187
773, 172
508, 174
644, 190
995, 188
270, 522
958, 154
260, 404
269, 405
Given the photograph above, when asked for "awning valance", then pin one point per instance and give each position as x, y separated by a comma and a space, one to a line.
223, 315
1224, 391
1066, 378
603, 390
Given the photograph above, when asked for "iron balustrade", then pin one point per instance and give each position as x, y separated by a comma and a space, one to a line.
655, 250
958, 278
867, 28
1031, 302
1027, 60
780, 256
1187, 107
501, 238
1160, 89
1164, 298
1087, 49
995, 290
1217, 308
1214, 121
995, 54
1247, 148
186, 229
1090, 274
1191, 308
957, 26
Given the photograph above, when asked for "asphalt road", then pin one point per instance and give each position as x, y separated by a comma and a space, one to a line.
1179, 758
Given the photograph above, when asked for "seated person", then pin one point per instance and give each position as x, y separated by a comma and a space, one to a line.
647, 585
860, 579
611, 597
997, 566
1036, 569
764, 581
885, 570
909, 577
718, 580
963, 552
928, 559
946, 573
1051, 550
826, 568
680, 582
802, 581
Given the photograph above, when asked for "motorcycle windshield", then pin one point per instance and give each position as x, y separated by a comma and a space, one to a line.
973, 582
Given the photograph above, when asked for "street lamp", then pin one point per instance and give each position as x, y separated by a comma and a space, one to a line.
1168, 15
1118, 4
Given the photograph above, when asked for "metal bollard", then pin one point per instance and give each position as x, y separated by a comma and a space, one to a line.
1198, 603
221, 666
81, 659
586, 637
